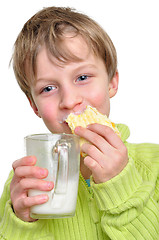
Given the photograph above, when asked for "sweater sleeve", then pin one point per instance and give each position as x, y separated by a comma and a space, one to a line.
128, 203
9, 222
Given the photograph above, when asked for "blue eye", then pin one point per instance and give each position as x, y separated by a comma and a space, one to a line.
82, 78
48, 89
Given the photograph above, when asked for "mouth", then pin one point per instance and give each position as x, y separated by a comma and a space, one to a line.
64, 118
65, 123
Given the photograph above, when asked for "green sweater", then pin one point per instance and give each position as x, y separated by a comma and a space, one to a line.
126, 207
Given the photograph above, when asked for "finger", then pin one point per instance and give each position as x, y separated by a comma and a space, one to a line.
91, 163
107, 133
95, 168
22, 206
31, 183
120, 151
28, 202
31, 172
25, 161
94, 138
94, 153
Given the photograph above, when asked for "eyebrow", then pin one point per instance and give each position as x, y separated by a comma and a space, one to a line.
83, 67
93, 66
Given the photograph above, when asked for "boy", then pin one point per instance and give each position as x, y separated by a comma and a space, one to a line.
64, 61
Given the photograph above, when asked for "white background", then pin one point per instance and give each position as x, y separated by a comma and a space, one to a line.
134, 28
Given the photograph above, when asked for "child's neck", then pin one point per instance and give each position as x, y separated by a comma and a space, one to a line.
86, 173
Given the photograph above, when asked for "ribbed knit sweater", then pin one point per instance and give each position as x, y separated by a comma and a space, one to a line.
125, 207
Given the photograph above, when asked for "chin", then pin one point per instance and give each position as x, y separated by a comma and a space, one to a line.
68, 131
65, 130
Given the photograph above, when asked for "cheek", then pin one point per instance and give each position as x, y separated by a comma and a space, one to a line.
47, 112
48, 116
100, 100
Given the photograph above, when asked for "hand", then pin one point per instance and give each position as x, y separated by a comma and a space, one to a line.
106, 153
28, 176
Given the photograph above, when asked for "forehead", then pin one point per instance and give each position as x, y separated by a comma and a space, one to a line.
76, 46
48, 66
68, 49
71, 49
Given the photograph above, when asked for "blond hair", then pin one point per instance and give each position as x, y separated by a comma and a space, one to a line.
49, 27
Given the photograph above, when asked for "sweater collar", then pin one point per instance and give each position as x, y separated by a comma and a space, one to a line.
124, 131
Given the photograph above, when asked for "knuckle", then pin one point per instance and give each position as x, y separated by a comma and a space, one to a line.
107, 130
23, 183
90, 149
32, 171
89, 162
96, 140
35, 171
14, 165
93, 165
118, 158
17, 171
11, 188
17, 205
110, 169
13, 181
26, 202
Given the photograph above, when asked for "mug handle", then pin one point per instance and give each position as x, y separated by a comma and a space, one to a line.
60, 152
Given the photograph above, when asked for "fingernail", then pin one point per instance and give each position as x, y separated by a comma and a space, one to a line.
43, 172
50, 185
30, 160
44, 197
77, 129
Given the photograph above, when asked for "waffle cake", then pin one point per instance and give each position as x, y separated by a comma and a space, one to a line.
89, 116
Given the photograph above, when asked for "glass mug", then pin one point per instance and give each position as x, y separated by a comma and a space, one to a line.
60, 154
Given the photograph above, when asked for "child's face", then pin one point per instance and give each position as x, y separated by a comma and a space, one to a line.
70, 87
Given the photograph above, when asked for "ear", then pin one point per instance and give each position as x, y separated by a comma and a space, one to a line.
113, 85
34, 107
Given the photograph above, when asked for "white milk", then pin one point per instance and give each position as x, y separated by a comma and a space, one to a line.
58, 205
60, 154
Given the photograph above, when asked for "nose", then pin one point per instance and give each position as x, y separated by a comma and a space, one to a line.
71, 99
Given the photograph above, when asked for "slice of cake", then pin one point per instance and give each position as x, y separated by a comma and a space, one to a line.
89, 116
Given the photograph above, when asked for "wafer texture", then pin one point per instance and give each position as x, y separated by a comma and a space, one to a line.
89, 116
